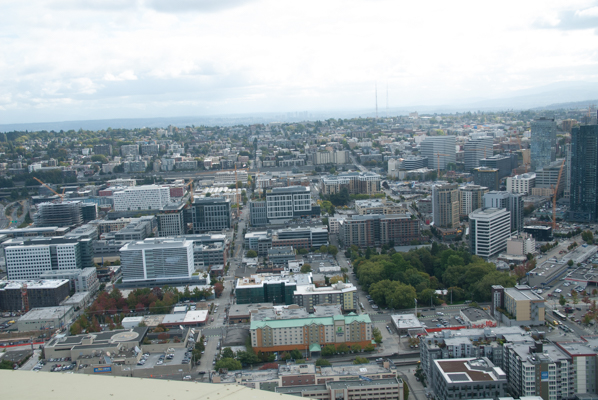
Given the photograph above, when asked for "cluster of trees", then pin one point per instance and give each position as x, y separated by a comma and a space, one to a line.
394, 280
110, 308
330, 349
546, 247
588, 237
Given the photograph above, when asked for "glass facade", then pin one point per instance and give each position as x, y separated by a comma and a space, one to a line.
543, 143
584, 173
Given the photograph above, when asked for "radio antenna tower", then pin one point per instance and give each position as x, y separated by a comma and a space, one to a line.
376, 101
387, 100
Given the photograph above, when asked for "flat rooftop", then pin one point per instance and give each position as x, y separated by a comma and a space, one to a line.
33, 284
46, 313
523, 292
406, 321
455, 371
476, 314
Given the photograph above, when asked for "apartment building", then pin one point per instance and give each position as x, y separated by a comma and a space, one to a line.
377, 230
354, 182
523, 183
471, 197
468, 378
146, 197
340, 293
541, 369
512, 202
445, 206
157, 260
129, 150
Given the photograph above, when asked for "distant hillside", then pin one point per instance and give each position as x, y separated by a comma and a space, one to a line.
570, 105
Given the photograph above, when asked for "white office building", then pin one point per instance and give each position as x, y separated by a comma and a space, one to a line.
439, 150
489, 229
30, 262
521, 183
288, 203
147, 197
157, 259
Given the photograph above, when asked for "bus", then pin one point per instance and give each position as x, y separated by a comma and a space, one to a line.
559, 315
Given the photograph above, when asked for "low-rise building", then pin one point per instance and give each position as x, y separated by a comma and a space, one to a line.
281, 255
80, 280
40, 293
310, 334
45, 318
468, 378
378, 206
340, 293
519, 305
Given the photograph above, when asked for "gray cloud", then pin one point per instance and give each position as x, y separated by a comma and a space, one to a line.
573, 20
177, 6
103, 5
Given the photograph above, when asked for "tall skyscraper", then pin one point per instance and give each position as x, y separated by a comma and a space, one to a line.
584, 173
543, 142
475, 150
439, 150
445, 206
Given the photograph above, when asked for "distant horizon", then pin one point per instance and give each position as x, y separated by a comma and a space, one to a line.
263, 117
92, 60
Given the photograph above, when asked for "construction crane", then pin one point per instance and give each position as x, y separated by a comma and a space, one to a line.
190, 186
438, 162
556, 190
52, 190
25, 297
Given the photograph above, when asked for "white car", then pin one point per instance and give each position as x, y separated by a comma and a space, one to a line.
557, 290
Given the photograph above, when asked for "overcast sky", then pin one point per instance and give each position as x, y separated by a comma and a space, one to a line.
97, 59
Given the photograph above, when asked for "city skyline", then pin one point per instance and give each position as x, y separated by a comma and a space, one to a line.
150, 58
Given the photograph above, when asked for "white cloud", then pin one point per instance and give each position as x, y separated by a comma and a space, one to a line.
102, 58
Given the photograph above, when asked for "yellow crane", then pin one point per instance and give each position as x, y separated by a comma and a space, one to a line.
556, 190
52, 190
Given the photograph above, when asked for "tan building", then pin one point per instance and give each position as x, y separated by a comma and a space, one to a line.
310, 334
521, 246
518, 305
445, 205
